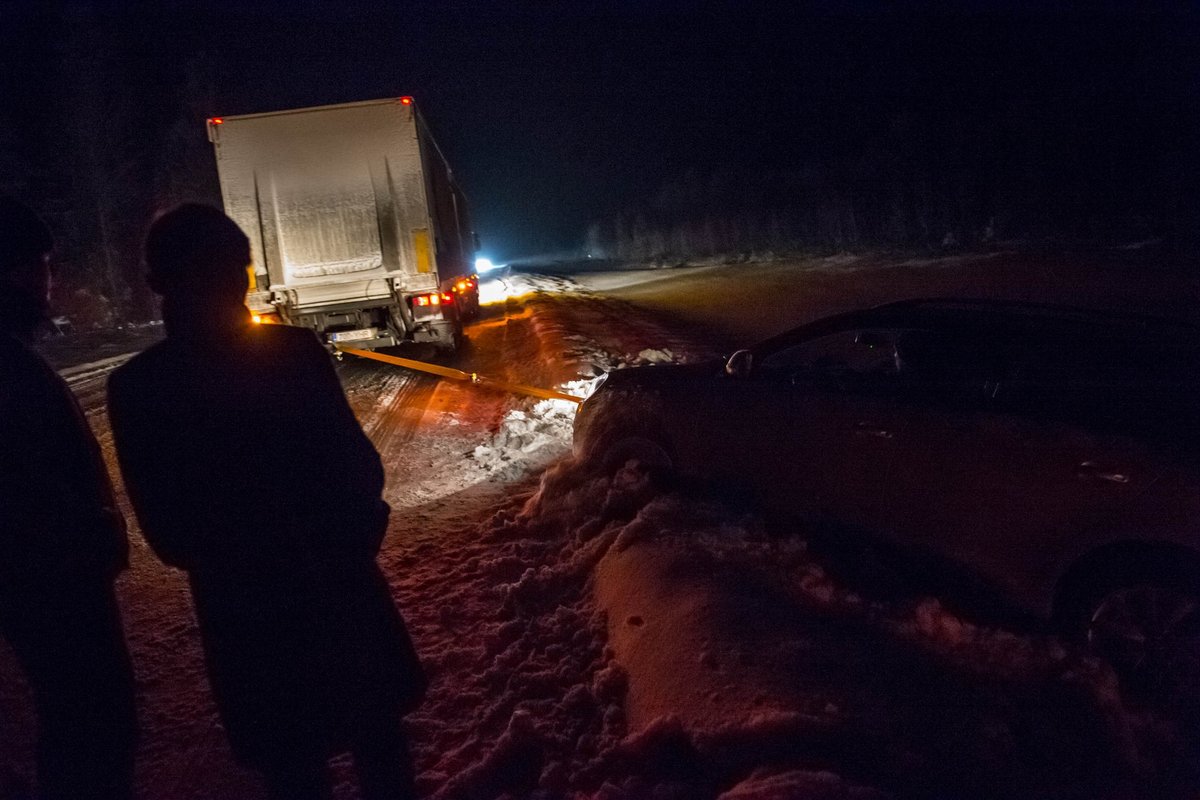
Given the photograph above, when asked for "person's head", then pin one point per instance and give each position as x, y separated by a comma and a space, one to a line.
25, 245
197, 256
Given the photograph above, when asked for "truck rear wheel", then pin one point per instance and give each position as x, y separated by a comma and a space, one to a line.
453, 342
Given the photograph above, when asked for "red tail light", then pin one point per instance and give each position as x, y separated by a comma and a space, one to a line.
432, 299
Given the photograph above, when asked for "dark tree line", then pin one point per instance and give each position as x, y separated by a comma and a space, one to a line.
97, 132
871, 203
907, 190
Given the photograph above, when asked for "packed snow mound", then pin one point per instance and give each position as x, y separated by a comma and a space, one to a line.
527, 440
748, 668
521, 637
652, 356
533, 437
794, 784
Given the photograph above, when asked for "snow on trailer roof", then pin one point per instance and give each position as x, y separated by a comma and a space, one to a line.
404, 100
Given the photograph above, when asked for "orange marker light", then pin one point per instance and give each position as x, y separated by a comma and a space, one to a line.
407, 101
217, 121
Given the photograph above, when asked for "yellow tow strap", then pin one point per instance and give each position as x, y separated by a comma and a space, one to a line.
459, 375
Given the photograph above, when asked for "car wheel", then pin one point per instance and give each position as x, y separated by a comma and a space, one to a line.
650, 456
1150, 633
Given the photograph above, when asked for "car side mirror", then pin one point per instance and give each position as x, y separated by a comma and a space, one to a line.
740, 364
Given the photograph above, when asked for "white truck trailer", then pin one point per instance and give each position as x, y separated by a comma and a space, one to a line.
357, 227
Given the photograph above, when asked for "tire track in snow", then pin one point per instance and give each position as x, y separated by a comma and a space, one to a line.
93, 370
389, 402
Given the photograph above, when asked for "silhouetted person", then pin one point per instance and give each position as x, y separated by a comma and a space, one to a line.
62, 543
247, 469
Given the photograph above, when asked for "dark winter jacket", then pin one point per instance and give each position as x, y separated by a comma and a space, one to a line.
242, 456
59, 524
247, 468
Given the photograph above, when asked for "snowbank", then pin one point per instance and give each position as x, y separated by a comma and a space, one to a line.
744, 665
736, 666
533, 437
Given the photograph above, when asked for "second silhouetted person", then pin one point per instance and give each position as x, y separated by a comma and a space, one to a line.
247, 469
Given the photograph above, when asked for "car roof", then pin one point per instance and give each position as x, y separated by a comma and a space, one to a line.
1027, 310
969, 314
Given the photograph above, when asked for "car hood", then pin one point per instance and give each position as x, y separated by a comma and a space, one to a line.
650, 377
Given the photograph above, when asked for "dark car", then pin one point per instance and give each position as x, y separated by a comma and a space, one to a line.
1050, 454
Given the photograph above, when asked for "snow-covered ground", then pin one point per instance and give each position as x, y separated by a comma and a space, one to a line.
740, 303
591, 636
661, 645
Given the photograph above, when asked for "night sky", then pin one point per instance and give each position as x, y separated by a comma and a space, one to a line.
557, 114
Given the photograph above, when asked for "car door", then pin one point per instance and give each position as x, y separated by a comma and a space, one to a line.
995, 474
749, 435
829, 445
